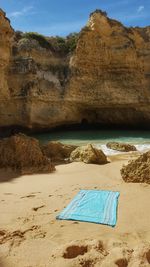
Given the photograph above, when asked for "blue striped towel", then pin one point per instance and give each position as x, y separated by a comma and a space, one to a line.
95, 206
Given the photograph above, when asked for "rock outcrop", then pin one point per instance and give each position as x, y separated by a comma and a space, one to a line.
58, 152
23, 154
111, 73
105, 80
6, 33
122, 147
88, 154
137, 171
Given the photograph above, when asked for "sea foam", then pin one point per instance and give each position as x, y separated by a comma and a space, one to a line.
107, 151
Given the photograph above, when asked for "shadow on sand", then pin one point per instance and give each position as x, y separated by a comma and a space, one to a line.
2, 264
8, 175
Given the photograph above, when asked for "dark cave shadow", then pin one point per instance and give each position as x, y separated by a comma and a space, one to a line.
84, 125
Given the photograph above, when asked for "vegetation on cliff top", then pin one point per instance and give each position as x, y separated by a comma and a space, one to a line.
62, 45
43, 42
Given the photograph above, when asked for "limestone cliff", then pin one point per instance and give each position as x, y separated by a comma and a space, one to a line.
111, 72
105, 80
6, 33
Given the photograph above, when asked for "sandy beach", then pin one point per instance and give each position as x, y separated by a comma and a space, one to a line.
30, 236
74, 110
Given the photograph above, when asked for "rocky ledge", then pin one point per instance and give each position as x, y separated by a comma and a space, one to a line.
122, 147
23, 155
88, 154
59, 153
138, 170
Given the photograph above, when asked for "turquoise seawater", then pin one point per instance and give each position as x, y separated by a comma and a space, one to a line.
99, 138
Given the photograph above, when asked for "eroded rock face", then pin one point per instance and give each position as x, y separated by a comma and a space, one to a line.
6, 33
23, 154
137, 171
58, 152
106, 80
121, 147
111, 72
88, 154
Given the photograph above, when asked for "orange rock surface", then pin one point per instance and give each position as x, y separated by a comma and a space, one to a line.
105, 80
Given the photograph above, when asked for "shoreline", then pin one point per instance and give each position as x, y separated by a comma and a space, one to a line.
29, 205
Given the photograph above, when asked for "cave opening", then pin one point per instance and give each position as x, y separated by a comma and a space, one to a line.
83, 125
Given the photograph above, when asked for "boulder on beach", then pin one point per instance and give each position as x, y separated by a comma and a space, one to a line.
58, 152
23, 154
88, 154
137, 171
122, 147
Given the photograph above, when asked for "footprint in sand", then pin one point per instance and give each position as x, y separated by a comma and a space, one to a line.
148, 256
74, 251
37, 208
96, 253
23, 219
122, 262
28, 196
16, 237
33, 193
81, 254
26, 220
2, 232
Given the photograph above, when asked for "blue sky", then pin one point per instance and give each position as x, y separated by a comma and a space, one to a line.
60, 17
